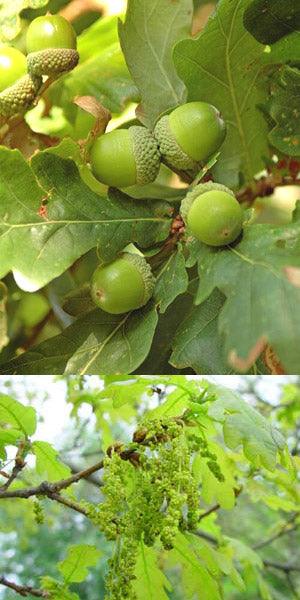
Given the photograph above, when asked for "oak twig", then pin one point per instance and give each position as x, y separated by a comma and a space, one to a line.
23, 590
287, 527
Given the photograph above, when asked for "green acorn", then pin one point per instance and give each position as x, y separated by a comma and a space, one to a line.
125, 157
12, 66
190, 135
124, 284
51, 46
17, 89
212, 214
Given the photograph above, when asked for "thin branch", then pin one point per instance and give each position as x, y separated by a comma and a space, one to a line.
23, 590
91, 478
48, 489
266, 186
206, 536
291, 585
216, 507
18, 466
209, 511
287, 568
69, 503
286, 528
76, 8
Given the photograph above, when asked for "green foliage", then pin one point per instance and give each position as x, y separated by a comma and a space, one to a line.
75, 567
102, 343
172, 280
284, 110
14, 414
270, 20
184, 501
47, 462
229, 310
150, 582
154, 54
242, 424
3, 318
10, 23
77, 226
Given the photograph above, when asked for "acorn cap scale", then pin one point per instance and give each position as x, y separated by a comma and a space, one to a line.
20, 96
51, 45
52, 61
170, 150
189, 135
147, 156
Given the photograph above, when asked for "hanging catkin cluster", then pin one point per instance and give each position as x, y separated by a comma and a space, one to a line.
149, 494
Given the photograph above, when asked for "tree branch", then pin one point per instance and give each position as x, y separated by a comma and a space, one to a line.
48, 489
76, 8
266, 185
286, 528
69, 503
18, 466
23, 590
216, 507
287, 568
291, 585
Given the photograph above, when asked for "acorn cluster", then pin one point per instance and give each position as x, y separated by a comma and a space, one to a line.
150, 494
184, 140
51, 51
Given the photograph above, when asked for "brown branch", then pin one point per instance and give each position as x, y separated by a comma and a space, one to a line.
216, 507
76, 8
69, 503
265, 186
23, 590
48, 489
18, 466
91, 478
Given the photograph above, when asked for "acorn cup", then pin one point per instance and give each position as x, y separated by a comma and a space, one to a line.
212, 214
51, 46
18, 89
189, 135
125, 157
122, 285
